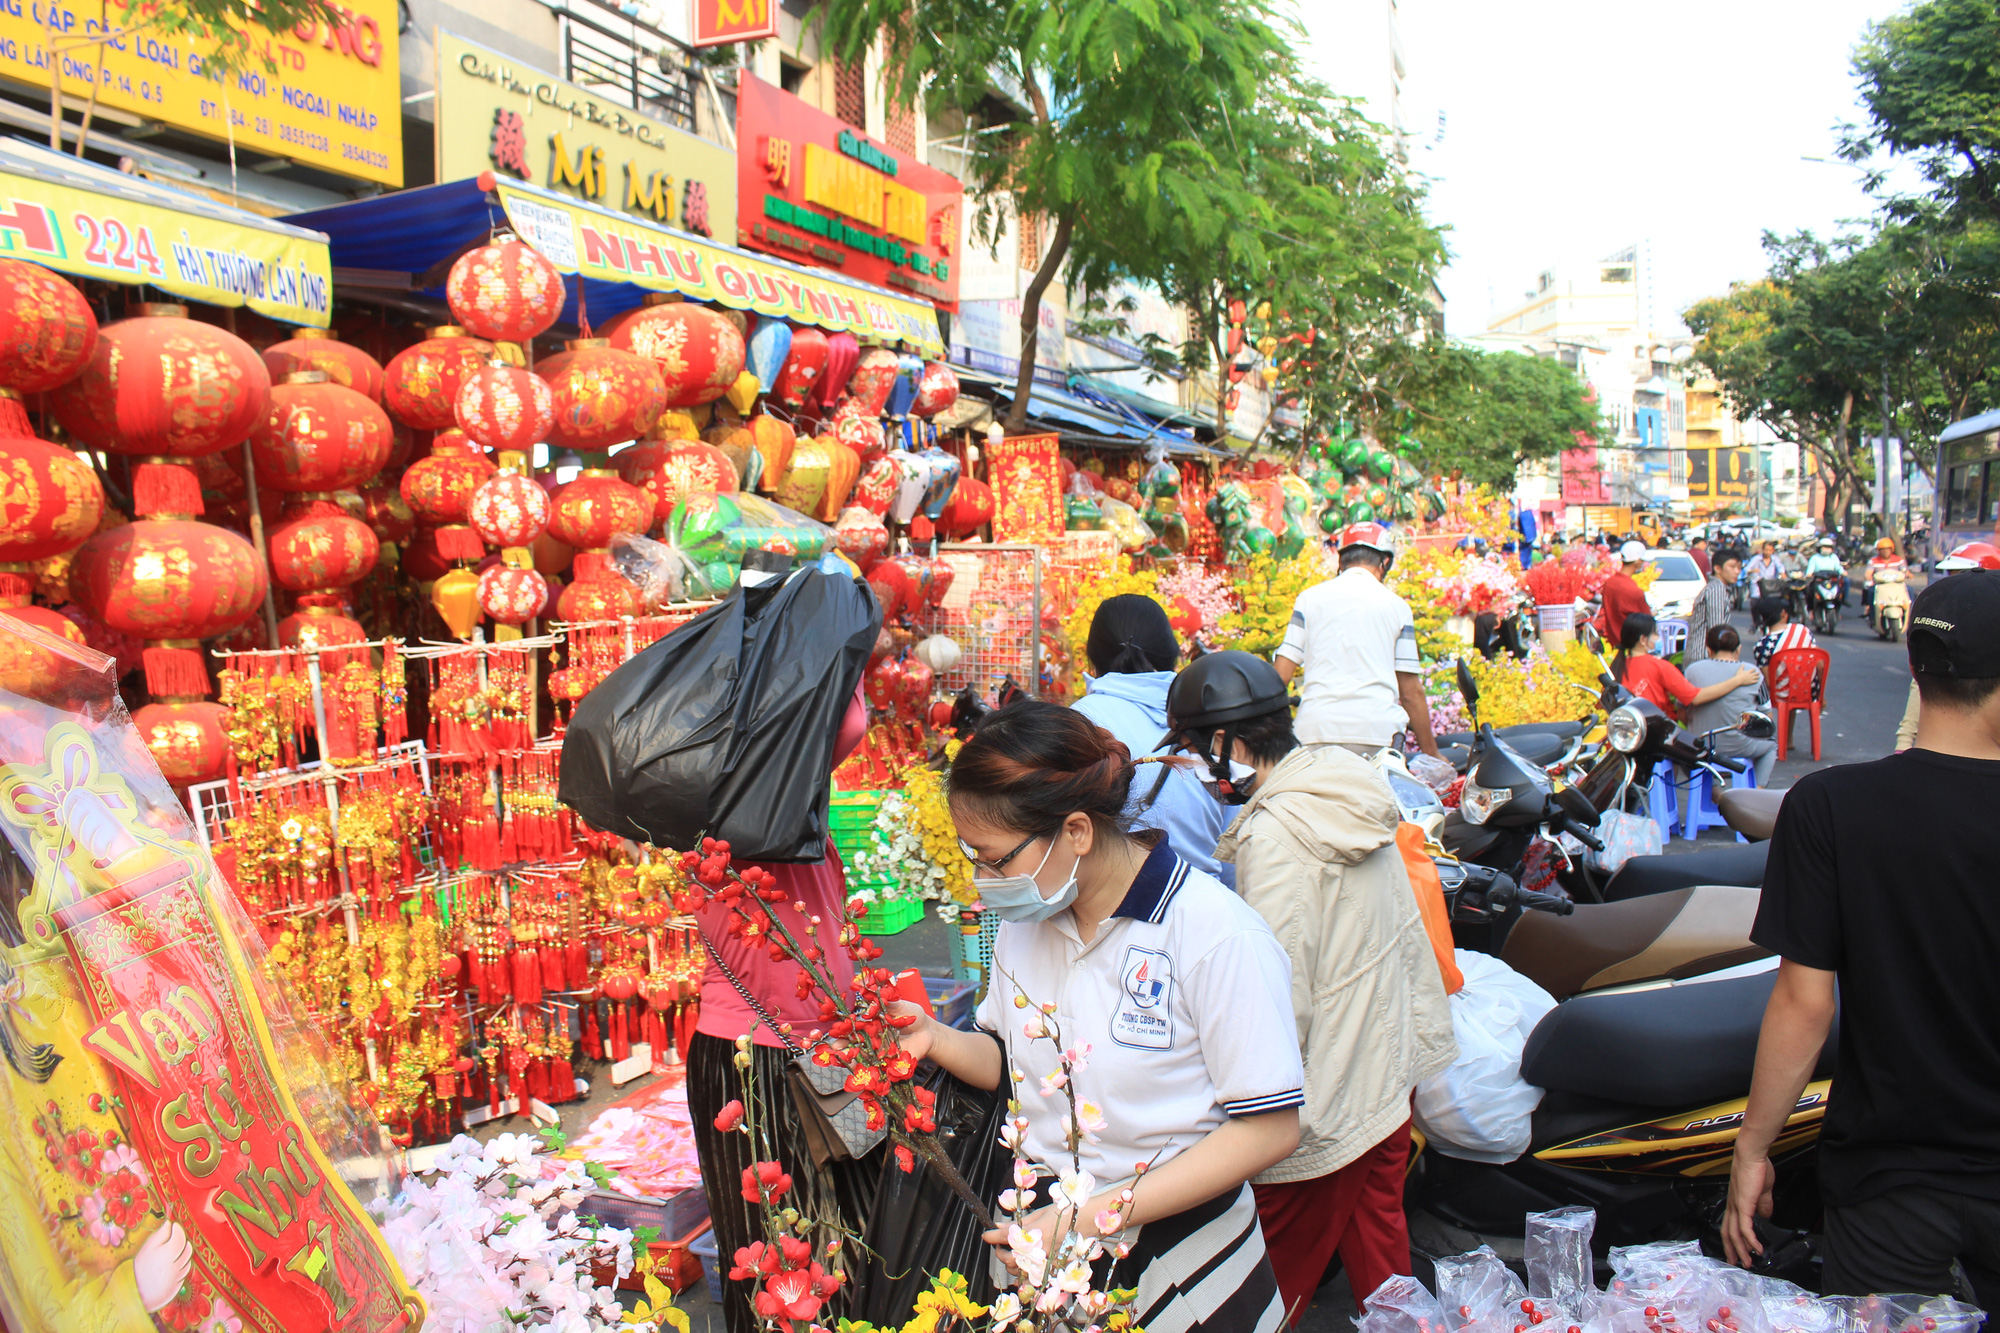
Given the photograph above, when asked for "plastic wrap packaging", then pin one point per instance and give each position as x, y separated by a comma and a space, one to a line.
1477, 1288
1479, 1107
173, 1145
1402, 1305
1557, 1254
713, 532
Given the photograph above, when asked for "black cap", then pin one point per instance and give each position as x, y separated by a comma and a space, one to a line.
1955, 626
1221, 688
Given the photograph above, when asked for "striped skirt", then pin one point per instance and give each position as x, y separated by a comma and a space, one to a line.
1204, 1271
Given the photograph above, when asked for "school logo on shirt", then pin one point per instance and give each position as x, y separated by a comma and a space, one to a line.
1145, 1010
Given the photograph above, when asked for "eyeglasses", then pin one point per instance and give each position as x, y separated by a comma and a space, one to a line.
998, 867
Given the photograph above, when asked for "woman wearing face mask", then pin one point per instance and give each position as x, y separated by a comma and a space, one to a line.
1177, 991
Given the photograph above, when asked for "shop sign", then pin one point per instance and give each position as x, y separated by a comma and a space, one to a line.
1718, 474
719, 22
610, 248
324, 95
820, 192
284, 273
496, 114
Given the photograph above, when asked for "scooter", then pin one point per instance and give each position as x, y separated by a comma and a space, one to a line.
1796, 584
1890, 611
1825, 598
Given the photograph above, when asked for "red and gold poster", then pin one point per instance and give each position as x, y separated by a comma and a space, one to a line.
1025, 472
155, 1169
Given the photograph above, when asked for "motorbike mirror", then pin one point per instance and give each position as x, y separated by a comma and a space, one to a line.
1468, 688
1577, 806
1756, 725
1591, 639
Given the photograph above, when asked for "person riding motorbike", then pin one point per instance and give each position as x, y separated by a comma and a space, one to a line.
1884, 559
1765, 571
1825, 561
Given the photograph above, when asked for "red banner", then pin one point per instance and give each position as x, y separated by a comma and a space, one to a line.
717, 22
1025, 472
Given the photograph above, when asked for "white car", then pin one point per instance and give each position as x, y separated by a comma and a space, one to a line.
1672, 594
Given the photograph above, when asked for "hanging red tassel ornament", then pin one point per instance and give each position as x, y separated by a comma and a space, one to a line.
507, 291
526, 965
317, 349
504, 407
420, 385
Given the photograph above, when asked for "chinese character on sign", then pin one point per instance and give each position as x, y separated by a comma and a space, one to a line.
778, 161
510, 143
944, 229
694, 208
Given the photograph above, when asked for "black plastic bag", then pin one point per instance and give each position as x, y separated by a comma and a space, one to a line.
918, 1225
725, 727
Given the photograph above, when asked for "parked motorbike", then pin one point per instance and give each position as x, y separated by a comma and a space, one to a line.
1890, 610
1824, 597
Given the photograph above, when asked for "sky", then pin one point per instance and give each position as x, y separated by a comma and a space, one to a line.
1574, 128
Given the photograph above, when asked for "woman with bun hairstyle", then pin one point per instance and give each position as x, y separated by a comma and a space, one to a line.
1177, 990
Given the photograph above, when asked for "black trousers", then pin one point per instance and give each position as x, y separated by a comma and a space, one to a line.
844, 1189
1906, 1239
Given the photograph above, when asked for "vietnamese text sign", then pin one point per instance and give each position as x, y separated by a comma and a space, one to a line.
286, 274
717, 22
820, 192
608, 247
331, 100
496, 114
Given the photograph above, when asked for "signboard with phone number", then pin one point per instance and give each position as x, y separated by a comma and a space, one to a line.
284, 273
330, 97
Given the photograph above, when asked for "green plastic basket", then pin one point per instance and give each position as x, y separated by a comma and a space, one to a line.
891, 916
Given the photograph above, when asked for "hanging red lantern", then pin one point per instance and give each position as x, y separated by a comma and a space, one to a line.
189, 738
164, 388
918, 679
599, 592
317, 349
420, 386
669, 469
504, 407
319, 436
863, 435
171, 582
874, 376
512, 596
969, 509
320, 620
603, 396
318, 547
861, 536
699, 352
843, 353
882, 682
47, 330
50, 500
803, 365
596, 507
878, 485
439, 490
507, 291
942, 573
937, 389
509, 510
385, 511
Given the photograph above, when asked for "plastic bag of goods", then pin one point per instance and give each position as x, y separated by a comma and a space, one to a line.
715, 531
1480, 1108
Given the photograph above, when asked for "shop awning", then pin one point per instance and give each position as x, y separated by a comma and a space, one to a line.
91, 222
1092, 421
419, 233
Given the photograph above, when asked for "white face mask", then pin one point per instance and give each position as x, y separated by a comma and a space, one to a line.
1020, 898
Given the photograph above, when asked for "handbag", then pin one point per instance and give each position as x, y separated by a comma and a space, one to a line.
834, 1120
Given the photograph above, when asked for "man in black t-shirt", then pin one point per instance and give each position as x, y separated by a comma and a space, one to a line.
1881, 879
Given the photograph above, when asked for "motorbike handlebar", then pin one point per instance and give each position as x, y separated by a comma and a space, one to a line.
1733, 765
1506, 893
1564, 824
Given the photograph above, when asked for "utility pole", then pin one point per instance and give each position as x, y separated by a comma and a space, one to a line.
1882, 472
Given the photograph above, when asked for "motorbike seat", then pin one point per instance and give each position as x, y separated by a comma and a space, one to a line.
1683, 933
1684, 1045
1751, 811
1735, 863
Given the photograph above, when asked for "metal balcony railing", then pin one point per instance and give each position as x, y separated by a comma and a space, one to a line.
627, 60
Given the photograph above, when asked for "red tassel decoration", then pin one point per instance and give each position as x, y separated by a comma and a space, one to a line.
14, 418
174, 670
527, 973
163, 486
621, 1041
576, 958
562, 1081
593, 1041
554, 976
455, 541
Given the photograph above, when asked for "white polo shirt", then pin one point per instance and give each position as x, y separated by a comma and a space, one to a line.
1350, 636
1185, 997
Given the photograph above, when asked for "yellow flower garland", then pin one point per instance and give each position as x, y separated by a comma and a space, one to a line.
1269, 587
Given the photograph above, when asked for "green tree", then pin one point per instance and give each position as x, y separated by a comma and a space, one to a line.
1930, 80
1485, 413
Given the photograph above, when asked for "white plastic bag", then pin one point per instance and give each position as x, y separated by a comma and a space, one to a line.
1480, 1108
1556, 1251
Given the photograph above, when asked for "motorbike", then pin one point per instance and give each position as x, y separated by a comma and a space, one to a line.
1825, 600
1890, 610
1645, 1067
1796, 584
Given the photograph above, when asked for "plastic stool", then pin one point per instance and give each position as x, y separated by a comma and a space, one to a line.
1660, 803
1701, 812
1673, 637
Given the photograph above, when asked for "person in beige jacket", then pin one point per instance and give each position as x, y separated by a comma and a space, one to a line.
1315, 855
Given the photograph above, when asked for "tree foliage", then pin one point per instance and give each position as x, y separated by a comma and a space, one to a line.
1930, 79
1479, 412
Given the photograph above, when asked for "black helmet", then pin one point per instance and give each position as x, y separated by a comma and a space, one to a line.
1216, 692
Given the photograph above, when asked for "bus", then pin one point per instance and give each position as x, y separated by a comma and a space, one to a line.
1968, 483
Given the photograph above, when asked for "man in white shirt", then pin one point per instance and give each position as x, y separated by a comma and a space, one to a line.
1356, 643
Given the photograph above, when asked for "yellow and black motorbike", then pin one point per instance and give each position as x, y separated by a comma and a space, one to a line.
1645, 1064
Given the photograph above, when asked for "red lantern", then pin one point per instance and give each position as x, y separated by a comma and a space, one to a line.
50, 500
874, 376
883, 682
317, 349
861, 536
699, 352
512, 596
917, 681
603, 396
47, 330
420, 386
171, 580
509, 510
596, 507
189, 739
505, 408
799, 375
893, 589
319, 436
27, 667
879, 480
319, 547
599, 592
384, 510
937, 389
863, 435
942, 574
668, 469
439, 489
842, 353
320, 620
969, 509
507, 291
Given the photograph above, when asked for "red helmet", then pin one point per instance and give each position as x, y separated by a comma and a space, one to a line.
1972, 555
1371, 535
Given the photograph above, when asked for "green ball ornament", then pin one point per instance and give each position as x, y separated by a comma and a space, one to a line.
701, 522
1377, 495
1331, 518
1360, 512
1381, 464
1353, 455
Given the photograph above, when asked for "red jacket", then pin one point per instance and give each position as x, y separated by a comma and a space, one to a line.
1622, 597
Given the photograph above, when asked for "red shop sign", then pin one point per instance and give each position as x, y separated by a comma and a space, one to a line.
717, 22
818, 191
